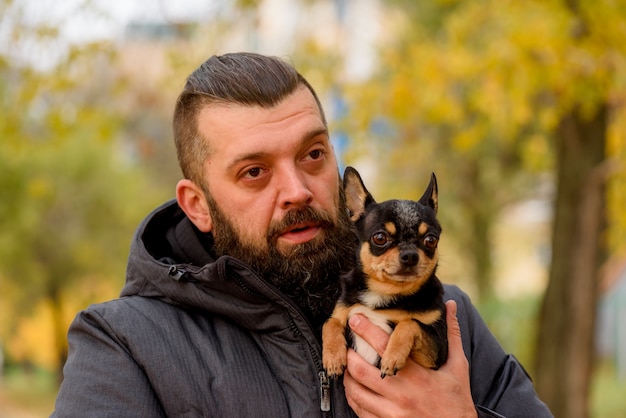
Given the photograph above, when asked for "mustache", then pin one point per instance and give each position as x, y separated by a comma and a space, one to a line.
298, 216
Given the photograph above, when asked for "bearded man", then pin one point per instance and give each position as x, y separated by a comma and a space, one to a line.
228, 286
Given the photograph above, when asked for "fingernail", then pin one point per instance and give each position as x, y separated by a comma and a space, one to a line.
354, 321
452, 306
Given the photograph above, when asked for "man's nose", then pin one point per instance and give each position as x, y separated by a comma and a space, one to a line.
294, 190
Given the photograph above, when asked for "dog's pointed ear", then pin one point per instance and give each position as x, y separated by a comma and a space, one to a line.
357, 196
430, 195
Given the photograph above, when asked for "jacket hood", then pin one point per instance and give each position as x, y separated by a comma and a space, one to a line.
170, 260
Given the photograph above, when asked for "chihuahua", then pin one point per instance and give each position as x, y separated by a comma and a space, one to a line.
394, 283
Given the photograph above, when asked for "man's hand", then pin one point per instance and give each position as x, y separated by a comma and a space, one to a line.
414, 391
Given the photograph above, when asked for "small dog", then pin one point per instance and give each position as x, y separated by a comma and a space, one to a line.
394, 283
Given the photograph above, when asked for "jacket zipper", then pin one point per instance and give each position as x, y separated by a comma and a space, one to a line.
324, 392
324, 381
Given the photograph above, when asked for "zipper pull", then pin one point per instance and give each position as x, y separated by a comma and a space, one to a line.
176, 272
324, 392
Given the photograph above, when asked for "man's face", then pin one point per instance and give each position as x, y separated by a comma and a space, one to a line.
274, 192
265, 163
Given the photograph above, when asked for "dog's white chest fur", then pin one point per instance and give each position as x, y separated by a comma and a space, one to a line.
359, 344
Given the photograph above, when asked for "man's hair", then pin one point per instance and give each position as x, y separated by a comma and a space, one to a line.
239, 78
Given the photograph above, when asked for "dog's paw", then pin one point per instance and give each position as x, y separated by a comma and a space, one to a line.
334, 348
334, 357
389, 365
334, 364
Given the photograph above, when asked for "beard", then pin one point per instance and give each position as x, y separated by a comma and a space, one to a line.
307, 273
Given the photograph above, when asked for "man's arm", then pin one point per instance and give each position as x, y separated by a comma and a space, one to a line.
498, 381
100, 376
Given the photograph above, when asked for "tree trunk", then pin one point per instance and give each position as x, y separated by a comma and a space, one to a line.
564, 358
479, 210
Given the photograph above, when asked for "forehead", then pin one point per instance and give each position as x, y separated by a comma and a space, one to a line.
404, 215
227, 124
407, 212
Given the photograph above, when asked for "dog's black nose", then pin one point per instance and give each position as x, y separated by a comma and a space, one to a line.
408, 257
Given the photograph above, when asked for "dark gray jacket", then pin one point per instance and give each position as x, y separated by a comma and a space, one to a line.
209, 338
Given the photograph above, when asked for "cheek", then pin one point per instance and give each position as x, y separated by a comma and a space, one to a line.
250, 216
427, 264
326, 192
378, 267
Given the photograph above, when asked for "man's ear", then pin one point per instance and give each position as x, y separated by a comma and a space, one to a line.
192, 201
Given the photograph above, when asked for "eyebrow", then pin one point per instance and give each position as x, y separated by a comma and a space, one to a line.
260, 155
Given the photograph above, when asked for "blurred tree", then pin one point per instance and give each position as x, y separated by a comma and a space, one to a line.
499, 91
70, 195
443, 102
593, 55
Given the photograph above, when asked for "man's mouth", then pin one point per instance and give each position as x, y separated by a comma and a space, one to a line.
300, 233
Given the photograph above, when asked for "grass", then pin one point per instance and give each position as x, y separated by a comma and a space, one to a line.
28, 394
513, 323
608, 393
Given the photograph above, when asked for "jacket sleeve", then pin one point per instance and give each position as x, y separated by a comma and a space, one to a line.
100, 377
485, 413
500, 385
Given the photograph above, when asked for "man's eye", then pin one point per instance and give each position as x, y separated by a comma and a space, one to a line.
316, 154
254, 172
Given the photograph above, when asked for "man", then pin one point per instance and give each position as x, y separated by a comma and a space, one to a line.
227, 288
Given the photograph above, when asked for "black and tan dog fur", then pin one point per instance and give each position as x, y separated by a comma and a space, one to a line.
394, 283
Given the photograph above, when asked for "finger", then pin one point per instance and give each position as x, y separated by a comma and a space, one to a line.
362, 371
372, 334
454, 330
368, 376
355, 394
369, 395
456, 355
361, 394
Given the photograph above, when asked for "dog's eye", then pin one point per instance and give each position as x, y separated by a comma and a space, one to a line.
380, 239
431, 241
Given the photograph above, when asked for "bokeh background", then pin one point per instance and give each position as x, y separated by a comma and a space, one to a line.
519, 107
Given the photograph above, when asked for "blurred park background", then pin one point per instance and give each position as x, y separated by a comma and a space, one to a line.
519, 107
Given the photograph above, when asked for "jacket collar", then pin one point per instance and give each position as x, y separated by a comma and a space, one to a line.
171, 260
